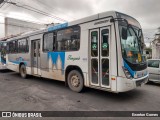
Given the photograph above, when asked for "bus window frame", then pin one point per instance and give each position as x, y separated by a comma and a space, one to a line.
8, 44
27, 41
44, 39
55, 31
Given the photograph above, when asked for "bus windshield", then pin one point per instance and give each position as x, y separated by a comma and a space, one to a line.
132, 48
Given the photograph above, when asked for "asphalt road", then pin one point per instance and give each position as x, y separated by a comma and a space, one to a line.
32, 94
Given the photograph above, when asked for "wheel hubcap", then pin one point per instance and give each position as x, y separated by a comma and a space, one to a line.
75, 81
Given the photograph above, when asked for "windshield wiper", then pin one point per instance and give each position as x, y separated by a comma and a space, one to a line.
133, 30
140, 42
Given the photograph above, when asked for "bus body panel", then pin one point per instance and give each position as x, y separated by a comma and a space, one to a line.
15, 60
93, 25
54, 64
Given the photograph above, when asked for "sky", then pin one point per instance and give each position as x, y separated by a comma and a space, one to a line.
145, 11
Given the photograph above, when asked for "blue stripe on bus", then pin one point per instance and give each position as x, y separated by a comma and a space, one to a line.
18, 61
56, 27
54, 57
129, 69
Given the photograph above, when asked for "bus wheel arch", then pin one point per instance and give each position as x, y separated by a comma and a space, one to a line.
22, 70
70, 70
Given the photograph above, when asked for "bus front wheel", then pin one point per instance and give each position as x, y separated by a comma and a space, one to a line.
23, 71
75, 81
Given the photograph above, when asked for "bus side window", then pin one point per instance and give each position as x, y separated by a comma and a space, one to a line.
13, 47
23, 45
68, 39
48, 42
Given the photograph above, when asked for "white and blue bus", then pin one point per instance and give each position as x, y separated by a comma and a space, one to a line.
103, 51
3, 50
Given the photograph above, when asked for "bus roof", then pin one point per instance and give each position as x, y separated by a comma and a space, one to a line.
76, 22
94, 17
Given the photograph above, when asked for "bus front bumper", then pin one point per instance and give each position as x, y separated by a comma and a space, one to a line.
124, 84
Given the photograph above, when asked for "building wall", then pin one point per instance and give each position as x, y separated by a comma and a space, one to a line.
14, 26
156, 49
2, 33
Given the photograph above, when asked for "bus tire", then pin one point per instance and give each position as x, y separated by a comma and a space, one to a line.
75, 81
23, 71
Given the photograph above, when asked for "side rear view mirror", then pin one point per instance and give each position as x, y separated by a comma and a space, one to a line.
124, 34
139, 33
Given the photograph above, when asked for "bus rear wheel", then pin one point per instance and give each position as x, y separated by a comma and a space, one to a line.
75, 81
23, 71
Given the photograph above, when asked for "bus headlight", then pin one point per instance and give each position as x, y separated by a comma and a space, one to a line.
127, 73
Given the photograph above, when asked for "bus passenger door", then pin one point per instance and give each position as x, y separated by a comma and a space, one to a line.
94, 48
99, 62
36, 57
104, 56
